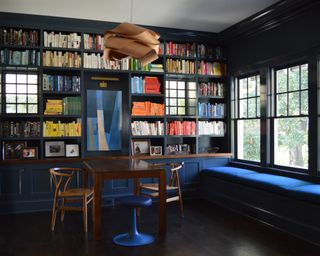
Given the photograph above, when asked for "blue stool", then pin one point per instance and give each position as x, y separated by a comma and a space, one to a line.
134, 238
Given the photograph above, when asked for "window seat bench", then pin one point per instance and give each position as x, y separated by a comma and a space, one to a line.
289, 204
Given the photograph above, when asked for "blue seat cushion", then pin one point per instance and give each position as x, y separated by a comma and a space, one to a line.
135, 201
310, 192
227, 172
270, 182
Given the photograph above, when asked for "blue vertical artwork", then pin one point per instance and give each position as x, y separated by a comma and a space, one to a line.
104, 120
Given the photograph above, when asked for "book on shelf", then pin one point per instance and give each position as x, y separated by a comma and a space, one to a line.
59, 129
211, 68
211, 110
20, 37
147, 84
97, 61
181, 49
58, 83
20, 129
27, 57
215, 128
135, 65
61, 59
61, 40
93, 42
139, 128
181, 128
66, 106
147, 108
209, 51
180, 66
211, 89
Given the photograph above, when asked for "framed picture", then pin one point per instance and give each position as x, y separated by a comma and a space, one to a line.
30, 153
155, 150
72, 150
13, 149
54, 148
140, 147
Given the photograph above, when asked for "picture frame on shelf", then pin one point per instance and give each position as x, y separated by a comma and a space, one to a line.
30, 153
140, 147
54, 148
13, 149
72, 150
155, 151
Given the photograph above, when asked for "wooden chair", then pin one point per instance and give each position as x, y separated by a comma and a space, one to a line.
173, 187
64, 195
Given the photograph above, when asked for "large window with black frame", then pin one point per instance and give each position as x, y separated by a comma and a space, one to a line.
246, 118
290, 117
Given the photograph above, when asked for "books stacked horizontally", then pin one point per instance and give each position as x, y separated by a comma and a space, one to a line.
139, 128
135, 65
53, 39
156, 67
211, 128
181, 128
58, 83
58, 129
147, 108
211, 110
148, 84
65, 106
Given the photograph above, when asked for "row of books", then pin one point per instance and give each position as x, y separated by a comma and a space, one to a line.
180, 66
181, 128
57, 83
53, 39
58, 129
211, 89
211, 110
211, 128
209, 51
93, 42
20, 129
145, 128
148, 84
97, 61
147, 108
183, 50
19, 37
27, 57
62, 59
135, 65
211, 68
66, 106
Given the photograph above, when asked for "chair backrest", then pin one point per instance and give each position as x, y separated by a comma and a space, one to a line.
62, 177
174, 178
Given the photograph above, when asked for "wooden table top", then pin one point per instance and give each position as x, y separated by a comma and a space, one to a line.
119, 165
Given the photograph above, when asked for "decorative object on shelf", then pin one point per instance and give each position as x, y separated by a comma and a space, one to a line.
140, 147
13, 149
72, 150
130, 40
30, 153
155, 150
178, 149
54, 148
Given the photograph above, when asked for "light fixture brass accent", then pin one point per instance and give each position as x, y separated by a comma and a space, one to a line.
104, 78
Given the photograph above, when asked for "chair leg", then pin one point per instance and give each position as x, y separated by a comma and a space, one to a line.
63, 211
85, 213
180, 203
54, 214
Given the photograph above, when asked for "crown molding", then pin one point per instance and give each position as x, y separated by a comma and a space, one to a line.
271, 17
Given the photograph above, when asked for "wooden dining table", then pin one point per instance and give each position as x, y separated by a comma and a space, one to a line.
107, 169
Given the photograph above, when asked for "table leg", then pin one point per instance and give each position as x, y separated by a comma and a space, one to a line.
97, 217
162, 204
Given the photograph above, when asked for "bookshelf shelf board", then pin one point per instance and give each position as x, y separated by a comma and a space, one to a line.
211, 118
53, 68
180, 57
180, 75
184, 136
23, 116
141, 72
19, 47
62, 137
20, 138
60, 49
46, 160
61, 116
147, 95
211, 97
211, 59
147, 136
92, 51
19, 67
181, 117
104, 70
211, 135
60, 93
147, 117
211, 76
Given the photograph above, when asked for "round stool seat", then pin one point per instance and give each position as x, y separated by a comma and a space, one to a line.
136, 201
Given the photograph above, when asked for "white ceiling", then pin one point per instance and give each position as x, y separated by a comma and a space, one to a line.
201, 15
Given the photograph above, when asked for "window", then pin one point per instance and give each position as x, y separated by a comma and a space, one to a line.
246, 118
181, 98
21, 93
290, 136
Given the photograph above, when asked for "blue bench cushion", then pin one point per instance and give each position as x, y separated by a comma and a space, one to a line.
227, 172
310, 193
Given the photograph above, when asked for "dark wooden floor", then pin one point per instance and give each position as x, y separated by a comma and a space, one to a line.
207, 229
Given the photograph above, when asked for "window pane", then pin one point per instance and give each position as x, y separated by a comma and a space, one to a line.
32, 109
181, 102
243, 86
192, 103
243, 108
11, 88
32, 79
252, 107
181, 85
181, 94
291, 141
172, 84
32, 88
22, 108
192, 111
282, 80
173, 102
22, 98
10, 108
11, 78
173, 111
181, 111
258, 108
294, 103
21, 79
258, 85
173, 93
282, 105
32, 99
11, 98
294, 78
252, 86
304, 103
21, 88
249, 140
192, 86
192, 94
304, 76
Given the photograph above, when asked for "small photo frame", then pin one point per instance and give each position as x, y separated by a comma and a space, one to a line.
155, 151
140, 147
72, 150
13, 149
30, 153
54, 148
